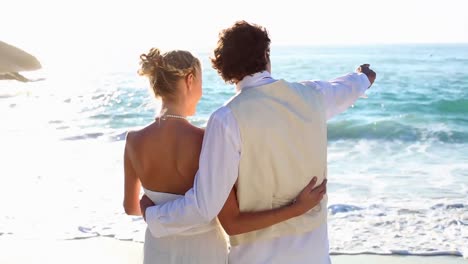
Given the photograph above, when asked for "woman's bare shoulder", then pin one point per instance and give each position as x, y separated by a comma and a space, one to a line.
134, 136
197, 132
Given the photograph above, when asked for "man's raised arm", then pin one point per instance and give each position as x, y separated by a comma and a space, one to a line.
218, 171
340, 93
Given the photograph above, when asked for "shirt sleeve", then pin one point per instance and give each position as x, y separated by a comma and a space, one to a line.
342, 92
218, 171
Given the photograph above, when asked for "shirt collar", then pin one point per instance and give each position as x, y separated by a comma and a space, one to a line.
254, 80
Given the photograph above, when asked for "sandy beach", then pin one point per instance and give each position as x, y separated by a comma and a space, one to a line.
109, 250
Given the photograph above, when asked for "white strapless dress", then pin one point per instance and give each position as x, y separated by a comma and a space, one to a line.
205, 244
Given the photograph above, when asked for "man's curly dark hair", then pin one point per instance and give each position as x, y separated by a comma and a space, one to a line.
243, 49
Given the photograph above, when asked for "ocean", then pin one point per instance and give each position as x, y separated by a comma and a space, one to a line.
398, 160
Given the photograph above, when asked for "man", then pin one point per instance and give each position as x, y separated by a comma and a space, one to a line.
269, 140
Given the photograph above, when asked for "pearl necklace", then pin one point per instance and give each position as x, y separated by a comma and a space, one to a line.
164, 117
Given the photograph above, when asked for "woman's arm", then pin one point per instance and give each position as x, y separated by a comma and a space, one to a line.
235, 222
132, 184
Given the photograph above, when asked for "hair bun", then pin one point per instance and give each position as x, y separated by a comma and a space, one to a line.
149, 62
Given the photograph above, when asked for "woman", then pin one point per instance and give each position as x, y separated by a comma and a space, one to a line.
163, 159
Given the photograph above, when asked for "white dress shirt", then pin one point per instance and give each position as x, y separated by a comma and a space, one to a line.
218, 172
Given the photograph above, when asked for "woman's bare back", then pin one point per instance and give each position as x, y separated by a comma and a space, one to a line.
165, 155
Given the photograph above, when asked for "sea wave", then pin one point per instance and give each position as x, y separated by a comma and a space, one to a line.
394, 130
400, 252
380, 229
388, 130
452, 106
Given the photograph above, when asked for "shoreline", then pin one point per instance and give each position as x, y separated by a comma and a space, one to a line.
111, 250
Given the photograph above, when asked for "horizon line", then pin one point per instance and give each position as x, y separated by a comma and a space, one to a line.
286, 45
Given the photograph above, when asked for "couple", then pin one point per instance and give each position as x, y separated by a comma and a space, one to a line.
258, 172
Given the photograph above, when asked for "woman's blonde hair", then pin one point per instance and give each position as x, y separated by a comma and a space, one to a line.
165, 70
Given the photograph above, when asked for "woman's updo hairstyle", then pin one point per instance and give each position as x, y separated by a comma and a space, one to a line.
165, 70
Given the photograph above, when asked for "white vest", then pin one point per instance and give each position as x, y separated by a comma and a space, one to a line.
284, 145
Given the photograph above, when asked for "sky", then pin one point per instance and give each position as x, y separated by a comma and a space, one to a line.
89, 29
